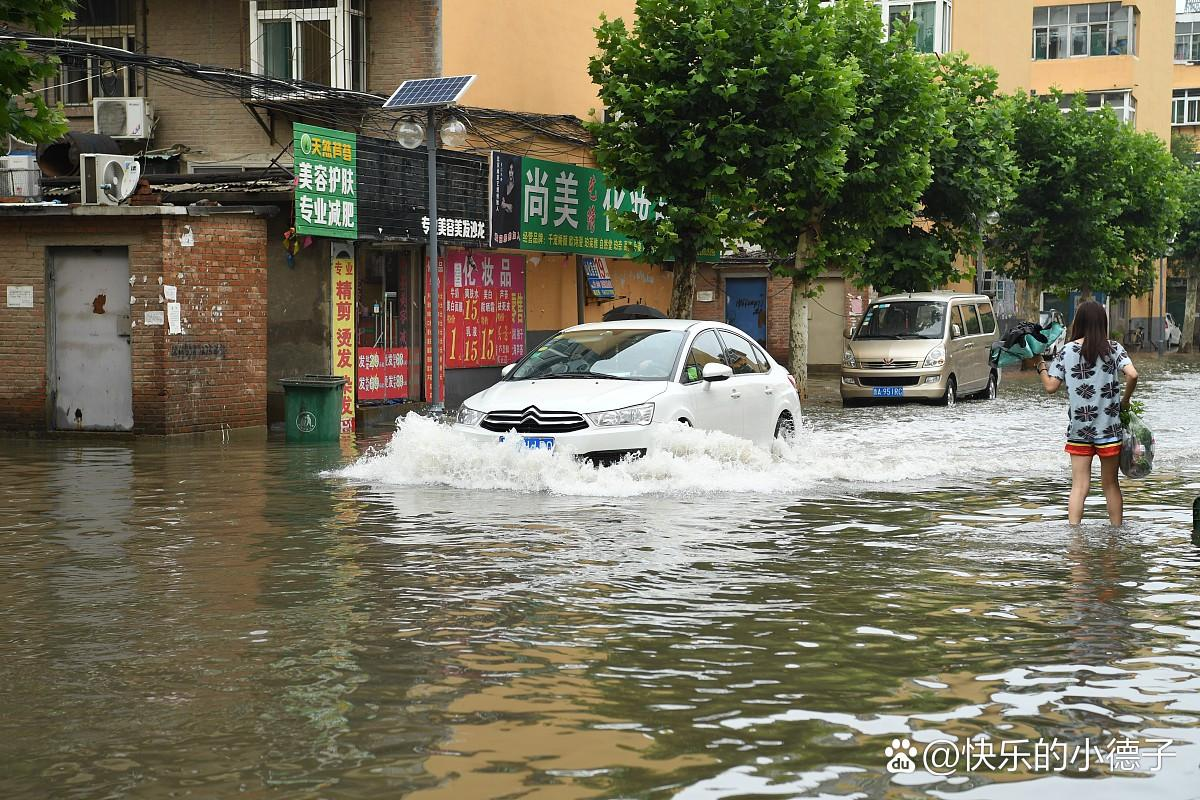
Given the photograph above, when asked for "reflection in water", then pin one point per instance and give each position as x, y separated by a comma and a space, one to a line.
198, 619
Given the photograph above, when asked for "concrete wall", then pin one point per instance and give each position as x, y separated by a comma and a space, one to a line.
297, 315
178, 387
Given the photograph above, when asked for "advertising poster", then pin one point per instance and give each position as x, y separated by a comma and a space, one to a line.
341, 287
326, 169
382, 373
505, 206
599, 282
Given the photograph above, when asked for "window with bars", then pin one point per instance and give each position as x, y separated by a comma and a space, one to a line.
321, 41
932, 18
1187, 41
1123, 104
110, 23
1185, 107
1085, 29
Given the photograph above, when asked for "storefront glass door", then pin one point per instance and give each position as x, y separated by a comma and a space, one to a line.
388, 332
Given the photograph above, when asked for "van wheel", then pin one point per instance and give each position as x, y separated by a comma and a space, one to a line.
992, 389
950, 398
785, 426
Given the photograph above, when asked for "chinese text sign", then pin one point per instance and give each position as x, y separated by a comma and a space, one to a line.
326, 169
341, 287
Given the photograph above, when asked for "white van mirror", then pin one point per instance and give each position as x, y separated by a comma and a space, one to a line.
507, 369
955, 331
716, 372
849, 332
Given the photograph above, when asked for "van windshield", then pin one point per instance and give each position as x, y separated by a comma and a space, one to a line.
904, 319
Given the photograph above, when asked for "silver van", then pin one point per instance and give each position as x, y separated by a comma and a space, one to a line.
931, 346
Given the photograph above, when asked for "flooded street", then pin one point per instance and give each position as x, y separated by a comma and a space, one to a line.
427, 619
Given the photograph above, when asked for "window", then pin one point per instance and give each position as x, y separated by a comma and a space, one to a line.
1123, 104
320, 41
706, 349
1185, 107
109, 23
971, 316
905, 319
932, 18
1187, 41
988, 317
1086, 29
956, 320
741, 355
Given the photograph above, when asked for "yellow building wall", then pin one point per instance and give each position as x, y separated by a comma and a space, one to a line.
633, 282
530, 55
1001, 35
550, 292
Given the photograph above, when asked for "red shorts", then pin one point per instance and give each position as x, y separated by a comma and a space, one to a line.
1106, 450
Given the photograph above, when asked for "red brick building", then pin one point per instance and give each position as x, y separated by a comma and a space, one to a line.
88, 339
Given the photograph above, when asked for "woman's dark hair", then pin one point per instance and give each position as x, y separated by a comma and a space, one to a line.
1091, 325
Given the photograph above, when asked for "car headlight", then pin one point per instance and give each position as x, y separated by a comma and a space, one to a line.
633, 415
848, 358
469, 416
936, 357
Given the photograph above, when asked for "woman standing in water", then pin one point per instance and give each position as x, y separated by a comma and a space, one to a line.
1091, 366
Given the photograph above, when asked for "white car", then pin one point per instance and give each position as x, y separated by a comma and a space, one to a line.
602, 390
1174, 334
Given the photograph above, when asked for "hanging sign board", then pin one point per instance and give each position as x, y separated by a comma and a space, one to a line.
326, 168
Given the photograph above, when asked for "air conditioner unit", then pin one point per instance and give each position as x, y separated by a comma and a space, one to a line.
20, 176
123, 117
106, 179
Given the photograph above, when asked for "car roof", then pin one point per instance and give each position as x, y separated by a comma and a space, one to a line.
936, 296
643, 324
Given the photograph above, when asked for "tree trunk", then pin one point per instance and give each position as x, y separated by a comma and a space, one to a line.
798, 335
1191, 298
683, 287
1085, 294
1029, 301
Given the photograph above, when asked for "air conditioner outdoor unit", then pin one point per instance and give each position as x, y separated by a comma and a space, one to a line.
20, 176
106, 179
123, 117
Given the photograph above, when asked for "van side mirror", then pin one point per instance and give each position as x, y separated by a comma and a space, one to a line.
849, 332
716, 372
955, 331
506, 369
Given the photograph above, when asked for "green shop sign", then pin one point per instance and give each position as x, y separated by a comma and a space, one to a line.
555, 207
326, 168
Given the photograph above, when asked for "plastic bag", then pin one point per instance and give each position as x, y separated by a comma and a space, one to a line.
1137, 448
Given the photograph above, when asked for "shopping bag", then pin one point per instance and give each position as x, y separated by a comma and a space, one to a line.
1137, 448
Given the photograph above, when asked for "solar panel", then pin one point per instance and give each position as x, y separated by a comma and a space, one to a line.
427, 92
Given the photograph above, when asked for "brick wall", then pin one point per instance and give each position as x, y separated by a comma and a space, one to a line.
404, 42
212, 377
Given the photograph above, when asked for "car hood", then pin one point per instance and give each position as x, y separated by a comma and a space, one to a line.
895, 349
565, 394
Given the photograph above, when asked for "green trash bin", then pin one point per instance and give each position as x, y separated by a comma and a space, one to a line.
313, 407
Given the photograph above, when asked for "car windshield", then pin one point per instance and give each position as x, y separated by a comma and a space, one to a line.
620, 353
906, 319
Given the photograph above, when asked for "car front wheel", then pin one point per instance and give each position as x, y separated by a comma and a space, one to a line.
950, 398
785, 427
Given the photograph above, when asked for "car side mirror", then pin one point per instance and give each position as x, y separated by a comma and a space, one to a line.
716, 372
507, 369
955, 331
849, 332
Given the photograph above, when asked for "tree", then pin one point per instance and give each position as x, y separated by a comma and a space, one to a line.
1183, 148
973, 174
692, 93
1096, 202
828, 209
1185, 259
25, 114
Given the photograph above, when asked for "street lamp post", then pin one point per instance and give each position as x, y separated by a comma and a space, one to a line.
436, 404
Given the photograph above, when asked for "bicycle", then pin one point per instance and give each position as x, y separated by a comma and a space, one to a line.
1135, 339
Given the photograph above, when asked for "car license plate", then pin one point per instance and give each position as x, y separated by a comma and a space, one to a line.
888, 391
536, 442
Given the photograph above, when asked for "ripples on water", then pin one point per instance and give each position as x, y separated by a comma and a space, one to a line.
439, 620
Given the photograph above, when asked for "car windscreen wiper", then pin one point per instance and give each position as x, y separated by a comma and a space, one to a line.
586, 375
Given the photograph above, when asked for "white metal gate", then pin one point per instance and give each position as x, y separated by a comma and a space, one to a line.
92, 368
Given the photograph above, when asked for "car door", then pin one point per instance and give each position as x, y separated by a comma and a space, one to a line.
976, 350
958, 347
749, 379
710, 405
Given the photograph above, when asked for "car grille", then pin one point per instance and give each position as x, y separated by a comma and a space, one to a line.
534, 420
891, 380
888, 364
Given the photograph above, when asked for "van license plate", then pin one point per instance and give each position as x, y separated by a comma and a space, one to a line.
888, 391
537, 442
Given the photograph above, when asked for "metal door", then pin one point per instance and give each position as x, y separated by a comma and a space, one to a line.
746, 306
92, 368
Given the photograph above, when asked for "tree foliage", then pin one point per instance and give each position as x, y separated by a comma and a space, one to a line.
25, 114
1096, 203
1185, 251
973, 172
875, 179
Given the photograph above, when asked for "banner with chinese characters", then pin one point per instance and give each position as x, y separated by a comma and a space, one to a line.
341, 288
599, 282
326, 169
382, 373
564, 208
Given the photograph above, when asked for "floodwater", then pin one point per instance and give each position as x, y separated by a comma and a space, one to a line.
433, 620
